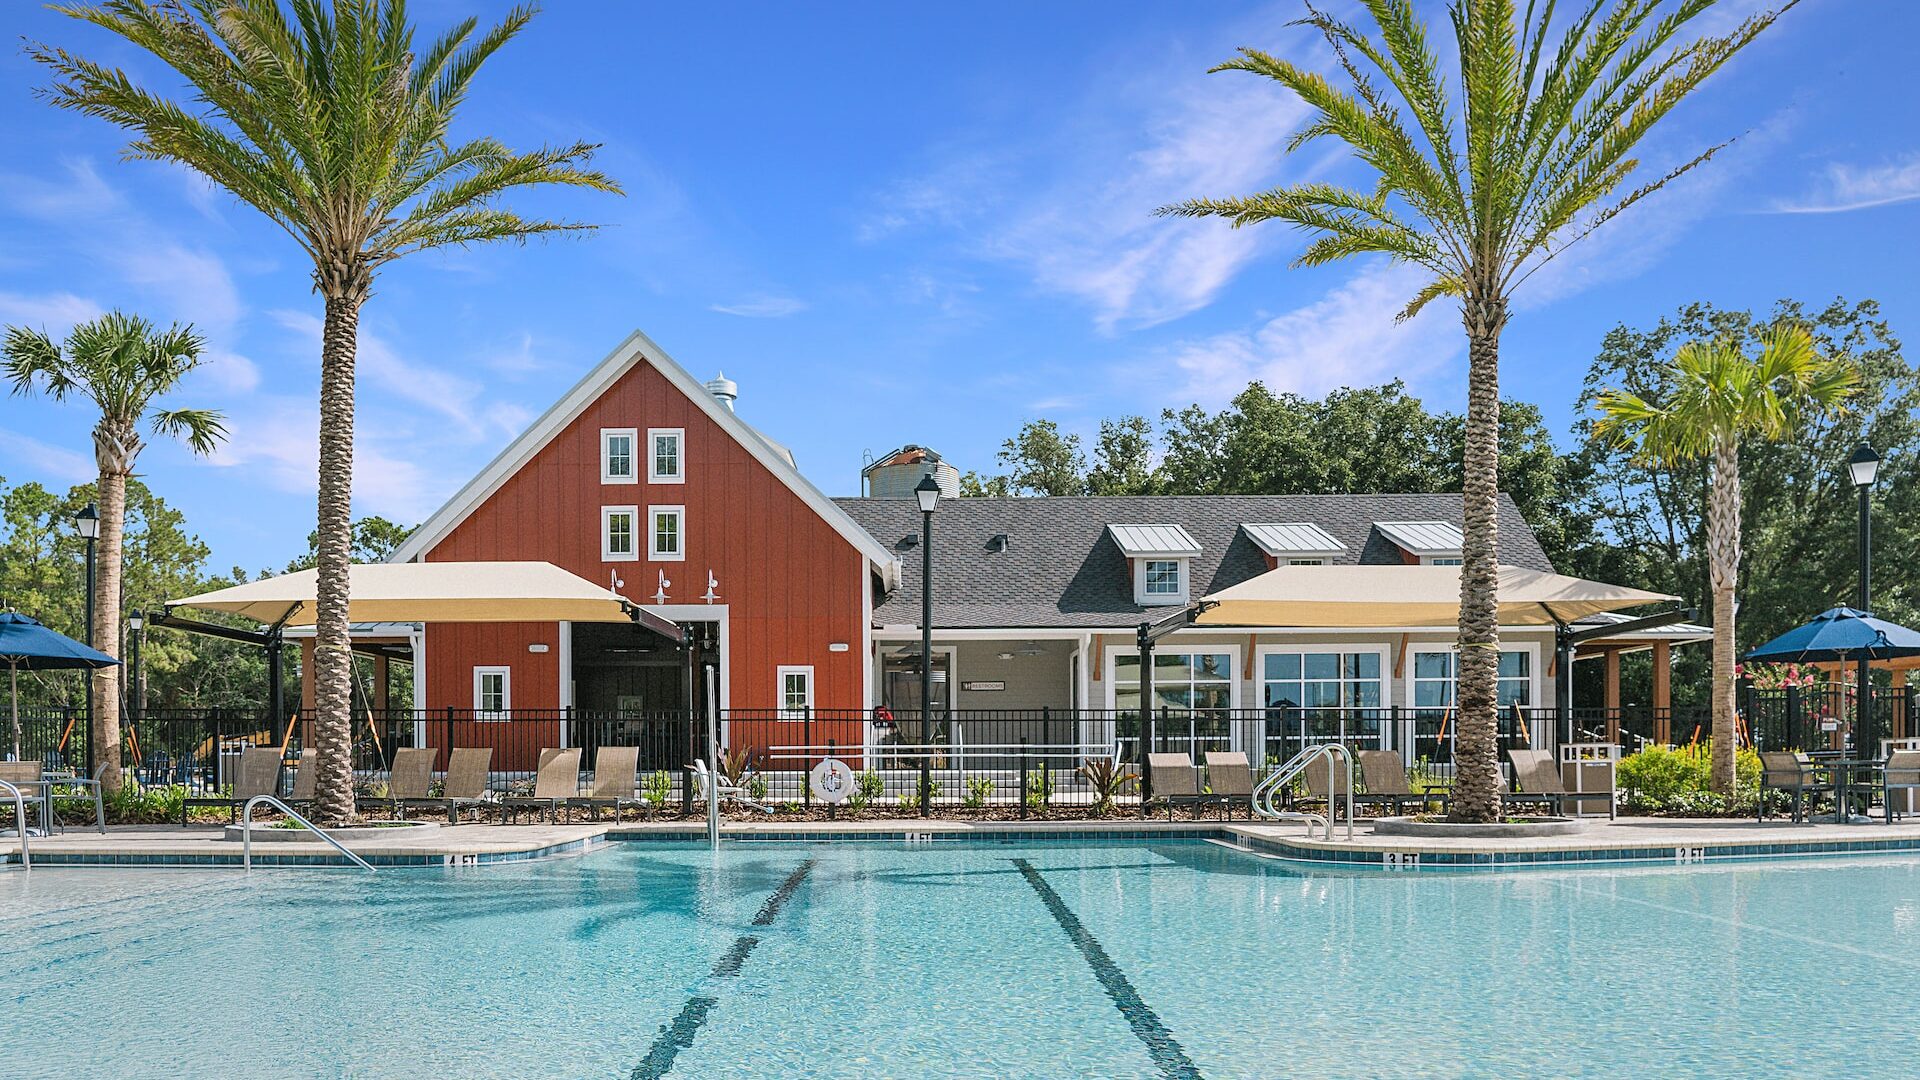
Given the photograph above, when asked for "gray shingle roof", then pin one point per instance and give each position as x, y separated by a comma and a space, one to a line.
1062, 567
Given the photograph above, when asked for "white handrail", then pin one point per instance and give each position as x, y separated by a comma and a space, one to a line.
1264, 794
246, 832
20, 823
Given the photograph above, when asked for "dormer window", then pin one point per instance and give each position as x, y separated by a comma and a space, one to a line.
1295, 543
1424, 543
1160, 557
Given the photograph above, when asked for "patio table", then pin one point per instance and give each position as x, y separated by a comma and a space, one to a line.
1850, 773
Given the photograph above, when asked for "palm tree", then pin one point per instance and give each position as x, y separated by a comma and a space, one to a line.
1481, 196
326, 119
1715, 399
124, 364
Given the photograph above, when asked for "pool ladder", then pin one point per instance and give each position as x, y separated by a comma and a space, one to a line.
246, 832
20, 823
1275, 784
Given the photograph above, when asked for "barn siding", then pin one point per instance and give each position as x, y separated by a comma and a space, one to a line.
791, 583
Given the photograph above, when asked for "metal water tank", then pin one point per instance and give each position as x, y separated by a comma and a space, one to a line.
894, 476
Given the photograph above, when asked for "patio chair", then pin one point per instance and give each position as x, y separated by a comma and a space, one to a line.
728, 790
257, 774
40, 785
1903, 776
1385, 774
1782, 770
1177, 783
301, 795
555, 783
465, 786
1537, 780
1230, 779
25, 775
616, 772
1319, 791
409, 780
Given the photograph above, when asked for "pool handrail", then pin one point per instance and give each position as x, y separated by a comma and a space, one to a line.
246, 832
20, 823
1276, 781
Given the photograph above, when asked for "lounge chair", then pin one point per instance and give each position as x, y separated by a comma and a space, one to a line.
1230, 779
409, 780
615, 777
555, 783
1177, 783
1537, 780
1902, 776
465, 787
729, 791
1385, 774
1790, 771
257, 774
1319, 791
301, 796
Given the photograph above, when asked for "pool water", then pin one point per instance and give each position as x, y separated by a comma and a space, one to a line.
1180, 958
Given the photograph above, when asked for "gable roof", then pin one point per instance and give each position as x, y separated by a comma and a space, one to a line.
638, 348
1062, 568
1294, 538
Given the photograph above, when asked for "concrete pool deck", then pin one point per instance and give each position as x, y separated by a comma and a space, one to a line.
1628, 839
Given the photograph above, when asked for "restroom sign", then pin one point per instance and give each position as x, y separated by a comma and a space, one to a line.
831, 781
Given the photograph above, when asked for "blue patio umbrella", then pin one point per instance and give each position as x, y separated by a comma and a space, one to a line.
1841, 633
24, 643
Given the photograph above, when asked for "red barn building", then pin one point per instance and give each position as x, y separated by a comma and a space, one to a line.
643, 478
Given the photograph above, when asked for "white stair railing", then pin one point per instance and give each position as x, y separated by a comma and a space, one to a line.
1276, 784
20, 823
246, 832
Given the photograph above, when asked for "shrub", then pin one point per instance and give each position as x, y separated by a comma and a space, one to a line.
1678, 781
757, 789
656, 789
910, 800
867, 787
1039, 789
979, 789
1108, 778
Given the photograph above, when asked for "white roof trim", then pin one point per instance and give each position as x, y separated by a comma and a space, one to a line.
1423, 537
1140, 541
1293, 538
638, 348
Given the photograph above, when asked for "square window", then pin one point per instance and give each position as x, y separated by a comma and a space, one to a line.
619, 534
617, 447
666, 533
1163, 577
1443, 560
666, 456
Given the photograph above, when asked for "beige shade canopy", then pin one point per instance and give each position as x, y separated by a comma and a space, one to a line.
434, 592
1407, 596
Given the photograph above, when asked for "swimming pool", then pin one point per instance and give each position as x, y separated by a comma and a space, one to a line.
1177, 958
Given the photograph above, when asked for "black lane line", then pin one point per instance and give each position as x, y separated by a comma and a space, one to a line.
1146, 1024
678, 1035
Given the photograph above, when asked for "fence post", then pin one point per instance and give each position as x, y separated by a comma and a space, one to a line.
1023, 778
806, 757
449, 733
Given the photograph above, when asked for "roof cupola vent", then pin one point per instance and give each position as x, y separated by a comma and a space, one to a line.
724, 390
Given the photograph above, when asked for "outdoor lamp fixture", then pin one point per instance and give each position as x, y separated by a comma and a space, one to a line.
88, 522
1864, 466
927, 493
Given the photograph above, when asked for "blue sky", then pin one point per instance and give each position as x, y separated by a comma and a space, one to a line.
903, 223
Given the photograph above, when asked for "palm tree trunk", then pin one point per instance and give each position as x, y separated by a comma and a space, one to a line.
333, 720
103, 700
1723, 559
1476, 777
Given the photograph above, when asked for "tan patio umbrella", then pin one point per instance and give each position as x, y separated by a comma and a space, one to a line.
1371, 596
436, 592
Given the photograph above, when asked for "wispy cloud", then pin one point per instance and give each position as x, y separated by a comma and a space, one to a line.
763, 307
1347, 337
1844, 187
275, 440
78, 193
56, 313
44, 461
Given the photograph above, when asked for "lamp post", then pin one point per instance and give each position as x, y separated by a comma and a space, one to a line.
927, 493
1864, 466
87, 521
136, 695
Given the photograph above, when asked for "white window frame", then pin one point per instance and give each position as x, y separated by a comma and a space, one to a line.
1140, 596
607, 554
480, 710
607, 435
679, 531
1442, 560
786, 711
1417, 649
1111, 672
1381, 649
1315, 561
679, 436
